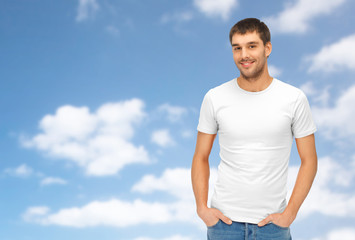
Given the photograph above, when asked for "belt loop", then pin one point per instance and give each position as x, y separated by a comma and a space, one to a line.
246, 231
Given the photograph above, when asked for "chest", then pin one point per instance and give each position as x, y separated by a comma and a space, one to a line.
255, 120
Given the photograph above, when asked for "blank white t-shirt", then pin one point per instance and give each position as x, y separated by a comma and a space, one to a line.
256, 132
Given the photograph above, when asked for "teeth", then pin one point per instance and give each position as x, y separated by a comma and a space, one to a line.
247, 63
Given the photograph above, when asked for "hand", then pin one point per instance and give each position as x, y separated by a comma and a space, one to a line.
280, 219
211, 216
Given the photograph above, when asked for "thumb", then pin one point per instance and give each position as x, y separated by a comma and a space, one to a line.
225, 219
265, 221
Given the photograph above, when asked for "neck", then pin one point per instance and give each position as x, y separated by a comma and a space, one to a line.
255, 84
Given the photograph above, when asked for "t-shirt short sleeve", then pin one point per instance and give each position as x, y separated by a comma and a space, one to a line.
302, 122
207, 121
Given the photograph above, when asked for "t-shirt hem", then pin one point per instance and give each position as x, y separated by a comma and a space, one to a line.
246, 220
306, 133
237, 216
204, 130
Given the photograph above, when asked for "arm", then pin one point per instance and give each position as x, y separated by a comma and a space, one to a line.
308, 169
200, 173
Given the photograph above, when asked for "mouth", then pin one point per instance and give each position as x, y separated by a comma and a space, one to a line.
247, 64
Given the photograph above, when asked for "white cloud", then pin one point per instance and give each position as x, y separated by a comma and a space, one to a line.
296, 17
98, 142
176, 182
117, 213
53, 180
120, 213
318, 95
336, 57
163, 138
212, 8
21, 171
174, 237
309, 89
187, 134
112, 30
325, 196
34, 214
343, 234
86, 9
112, 213
337, 121
274, 71
178, 17
173, 113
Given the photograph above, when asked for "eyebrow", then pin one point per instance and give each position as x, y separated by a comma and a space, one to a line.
249, 43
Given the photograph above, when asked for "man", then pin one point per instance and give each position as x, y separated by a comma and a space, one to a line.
256, 117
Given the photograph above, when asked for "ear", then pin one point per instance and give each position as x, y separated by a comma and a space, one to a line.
268, 49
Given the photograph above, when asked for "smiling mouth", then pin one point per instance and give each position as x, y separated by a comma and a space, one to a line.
247, 64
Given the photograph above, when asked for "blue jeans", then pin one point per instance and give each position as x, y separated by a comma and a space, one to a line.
247, 231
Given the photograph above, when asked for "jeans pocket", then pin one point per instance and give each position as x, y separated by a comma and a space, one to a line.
219, 220
284, 228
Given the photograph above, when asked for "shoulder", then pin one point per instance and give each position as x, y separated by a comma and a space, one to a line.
288, 89
222, 89
287, 86
293, 96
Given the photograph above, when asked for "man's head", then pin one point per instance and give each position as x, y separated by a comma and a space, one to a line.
250, 40
250, 25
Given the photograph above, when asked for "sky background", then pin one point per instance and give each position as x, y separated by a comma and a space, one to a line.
100, 102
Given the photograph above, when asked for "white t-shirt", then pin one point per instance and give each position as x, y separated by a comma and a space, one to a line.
256, 132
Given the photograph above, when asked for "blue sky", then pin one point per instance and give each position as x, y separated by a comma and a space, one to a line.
100, 102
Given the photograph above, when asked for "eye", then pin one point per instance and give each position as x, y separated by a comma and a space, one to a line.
252, 46
236, 48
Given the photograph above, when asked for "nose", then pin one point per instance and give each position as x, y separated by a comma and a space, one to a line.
244, 53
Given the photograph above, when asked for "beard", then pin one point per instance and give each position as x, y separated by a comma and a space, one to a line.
249, 74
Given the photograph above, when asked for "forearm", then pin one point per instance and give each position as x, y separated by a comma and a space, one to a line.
200, 173
305, 177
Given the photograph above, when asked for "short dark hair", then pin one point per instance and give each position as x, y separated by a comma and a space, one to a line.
250, 25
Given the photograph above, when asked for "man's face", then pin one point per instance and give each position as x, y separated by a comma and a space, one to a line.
250, 54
